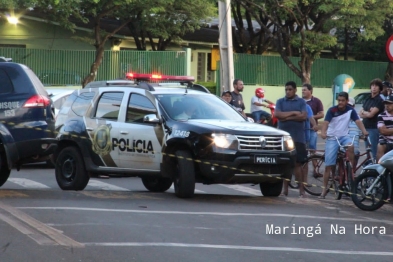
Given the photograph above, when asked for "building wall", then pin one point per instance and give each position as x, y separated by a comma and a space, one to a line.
41, 35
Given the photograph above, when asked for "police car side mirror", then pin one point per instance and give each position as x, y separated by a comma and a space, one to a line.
152, 119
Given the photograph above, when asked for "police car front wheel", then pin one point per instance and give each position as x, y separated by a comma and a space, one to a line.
271, 189
157, 184
70, 170
184, 179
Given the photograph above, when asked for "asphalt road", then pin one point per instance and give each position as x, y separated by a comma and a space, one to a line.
118, 220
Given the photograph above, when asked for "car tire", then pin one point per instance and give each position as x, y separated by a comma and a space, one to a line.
70, 170
271, 189
4, 170
157, 184
184, 179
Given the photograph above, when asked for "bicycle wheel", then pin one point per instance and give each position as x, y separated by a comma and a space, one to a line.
338, 189
349, 177
314, 180
376, 197
293, 183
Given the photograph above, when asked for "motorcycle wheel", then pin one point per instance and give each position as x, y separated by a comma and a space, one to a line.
373, 200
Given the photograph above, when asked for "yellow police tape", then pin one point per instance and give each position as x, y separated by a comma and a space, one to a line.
223, 166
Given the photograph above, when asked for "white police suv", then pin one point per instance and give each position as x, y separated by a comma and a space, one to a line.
164, 134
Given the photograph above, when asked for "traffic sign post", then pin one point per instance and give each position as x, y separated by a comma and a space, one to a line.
389, 48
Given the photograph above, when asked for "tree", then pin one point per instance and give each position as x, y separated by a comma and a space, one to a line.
247, 38
168, 22
302, 27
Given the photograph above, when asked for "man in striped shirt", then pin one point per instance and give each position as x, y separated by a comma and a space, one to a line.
385, 127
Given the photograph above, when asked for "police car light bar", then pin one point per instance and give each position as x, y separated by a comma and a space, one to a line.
155, 77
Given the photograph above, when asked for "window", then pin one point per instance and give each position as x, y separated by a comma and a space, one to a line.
109, 105
81, 103
5, 83
138, 107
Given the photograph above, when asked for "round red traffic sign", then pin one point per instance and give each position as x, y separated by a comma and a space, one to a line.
389, 48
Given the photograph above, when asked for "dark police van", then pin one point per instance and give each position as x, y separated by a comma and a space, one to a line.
27, 122
164, 134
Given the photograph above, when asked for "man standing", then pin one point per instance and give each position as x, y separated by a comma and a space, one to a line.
317, 109
385, 127
373, 106
237, 98
291, 113
336, 127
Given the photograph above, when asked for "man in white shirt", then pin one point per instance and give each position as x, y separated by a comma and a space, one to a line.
257, 102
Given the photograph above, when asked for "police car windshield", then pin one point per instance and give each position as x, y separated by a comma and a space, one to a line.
197, 106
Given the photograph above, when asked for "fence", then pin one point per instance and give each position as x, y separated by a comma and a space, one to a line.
272, 70
68, 67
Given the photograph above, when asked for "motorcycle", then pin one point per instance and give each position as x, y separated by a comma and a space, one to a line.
270, 121
373, 187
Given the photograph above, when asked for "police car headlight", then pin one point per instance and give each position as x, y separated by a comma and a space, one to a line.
288, 143
225, 141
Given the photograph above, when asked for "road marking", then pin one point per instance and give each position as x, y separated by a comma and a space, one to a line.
105, 186
211, 213
48, 231
37, 237
27, 183
232, 247
244, 189
196, 190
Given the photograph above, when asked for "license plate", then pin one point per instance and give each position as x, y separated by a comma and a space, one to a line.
272, 160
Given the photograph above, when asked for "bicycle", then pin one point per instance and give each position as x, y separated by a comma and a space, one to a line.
315, 181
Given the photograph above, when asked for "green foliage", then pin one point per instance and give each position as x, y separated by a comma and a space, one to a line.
209, 85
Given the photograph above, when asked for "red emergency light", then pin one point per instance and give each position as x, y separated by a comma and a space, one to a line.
155, 77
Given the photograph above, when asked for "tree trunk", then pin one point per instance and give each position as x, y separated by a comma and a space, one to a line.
94, 67
305, 65
389, 72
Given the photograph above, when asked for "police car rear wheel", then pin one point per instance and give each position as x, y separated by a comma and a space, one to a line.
4, 170
70, 170
157, 184
184, 180
271, 189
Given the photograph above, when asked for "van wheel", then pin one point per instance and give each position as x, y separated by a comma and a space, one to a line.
271, 189
4, 170
70, 170
184, 179
157, 184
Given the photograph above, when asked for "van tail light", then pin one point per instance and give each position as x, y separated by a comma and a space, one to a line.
37, 101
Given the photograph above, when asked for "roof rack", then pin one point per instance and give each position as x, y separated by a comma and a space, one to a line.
119, 82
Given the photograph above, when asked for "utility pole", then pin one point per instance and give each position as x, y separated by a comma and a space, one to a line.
226, 45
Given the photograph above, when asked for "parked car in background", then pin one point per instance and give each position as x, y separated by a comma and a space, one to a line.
359, 99
26, 119
59, 96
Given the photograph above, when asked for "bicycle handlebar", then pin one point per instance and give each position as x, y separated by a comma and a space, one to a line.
338, 141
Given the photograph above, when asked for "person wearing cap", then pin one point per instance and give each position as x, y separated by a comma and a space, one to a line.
385, 127
336, 127
227, 96
354, 130
372, 107
386, 90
